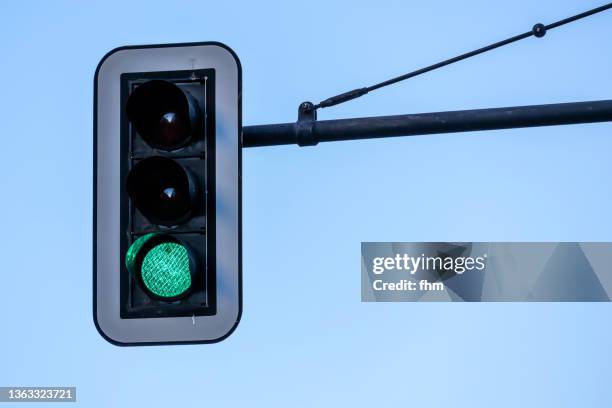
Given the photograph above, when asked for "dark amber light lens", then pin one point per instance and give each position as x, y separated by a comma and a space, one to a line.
161, 189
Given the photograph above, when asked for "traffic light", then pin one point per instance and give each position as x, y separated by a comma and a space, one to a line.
167, 194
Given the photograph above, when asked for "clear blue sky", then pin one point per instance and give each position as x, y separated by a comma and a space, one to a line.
305, 339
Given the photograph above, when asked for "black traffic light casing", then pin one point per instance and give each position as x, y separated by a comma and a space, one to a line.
169, 183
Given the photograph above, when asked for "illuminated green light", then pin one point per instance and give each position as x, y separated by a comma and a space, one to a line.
165, 270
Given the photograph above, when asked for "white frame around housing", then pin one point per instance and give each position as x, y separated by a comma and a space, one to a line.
107, 187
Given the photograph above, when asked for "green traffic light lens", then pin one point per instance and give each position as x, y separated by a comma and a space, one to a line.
165, 270
162, 265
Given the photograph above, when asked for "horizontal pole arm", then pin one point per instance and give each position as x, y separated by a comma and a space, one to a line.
311, 132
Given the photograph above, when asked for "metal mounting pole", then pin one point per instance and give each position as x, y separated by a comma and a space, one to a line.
307, 131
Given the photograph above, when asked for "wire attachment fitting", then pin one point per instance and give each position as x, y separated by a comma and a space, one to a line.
539, 30
304, 127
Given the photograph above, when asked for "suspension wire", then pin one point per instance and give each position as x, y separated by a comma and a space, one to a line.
538, 30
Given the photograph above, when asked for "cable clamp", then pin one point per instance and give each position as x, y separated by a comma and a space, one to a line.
304, 127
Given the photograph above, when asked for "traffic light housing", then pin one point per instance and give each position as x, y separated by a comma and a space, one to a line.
167, 194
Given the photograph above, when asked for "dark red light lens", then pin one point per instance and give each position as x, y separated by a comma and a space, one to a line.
164, 115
